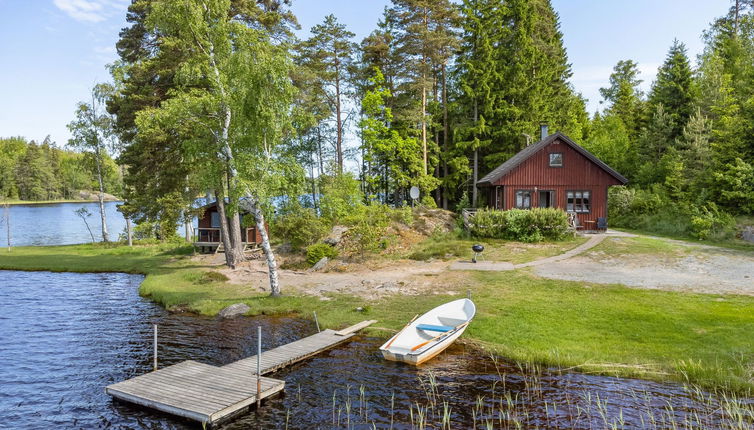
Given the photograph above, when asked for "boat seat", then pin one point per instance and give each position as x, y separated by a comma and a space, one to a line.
430, 327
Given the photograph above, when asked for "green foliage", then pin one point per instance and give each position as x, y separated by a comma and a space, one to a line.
736, 186
316, 252
675, 89
367, 228
656, 211
32, 171
534, 225
624, 96
300, 226
341, 196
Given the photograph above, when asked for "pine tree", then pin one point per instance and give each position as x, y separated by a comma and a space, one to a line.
329, 55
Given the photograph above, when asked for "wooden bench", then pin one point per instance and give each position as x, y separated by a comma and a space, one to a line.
438, 328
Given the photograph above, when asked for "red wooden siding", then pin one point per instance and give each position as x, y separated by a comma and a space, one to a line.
252, 235
577, 174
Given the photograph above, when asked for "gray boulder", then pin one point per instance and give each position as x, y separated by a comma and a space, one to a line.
320, 264
748, 234
336, 235
234, 310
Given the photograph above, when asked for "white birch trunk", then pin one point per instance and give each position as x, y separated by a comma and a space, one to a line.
252, 205
102, 215
129, 232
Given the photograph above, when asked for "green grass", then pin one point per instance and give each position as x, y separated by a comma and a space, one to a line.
453, 246
614, 330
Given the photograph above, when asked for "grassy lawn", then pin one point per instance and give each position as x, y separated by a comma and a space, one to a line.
452, 246
614, 330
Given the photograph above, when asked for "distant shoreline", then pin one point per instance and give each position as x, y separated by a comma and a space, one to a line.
50, 202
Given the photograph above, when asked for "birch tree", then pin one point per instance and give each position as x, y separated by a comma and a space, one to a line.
231, 106
92, 131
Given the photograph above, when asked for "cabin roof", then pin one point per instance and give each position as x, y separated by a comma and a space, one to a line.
530, 150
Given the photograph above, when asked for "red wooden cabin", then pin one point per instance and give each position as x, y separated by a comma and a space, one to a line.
208, 232
554, 172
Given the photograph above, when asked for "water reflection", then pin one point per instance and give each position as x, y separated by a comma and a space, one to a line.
57, 224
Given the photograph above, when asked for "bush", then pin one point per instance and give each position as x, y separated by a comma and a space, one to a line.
368, 227
711, 223
533, 225
653, 211
300, 227
341, 195
317, 251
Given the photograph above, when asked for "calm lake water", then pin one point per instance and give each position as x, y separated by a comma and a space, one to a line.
66, 336
57, 224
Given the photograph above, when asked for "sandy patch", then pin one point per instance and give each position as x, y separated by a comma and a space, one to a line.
371, 283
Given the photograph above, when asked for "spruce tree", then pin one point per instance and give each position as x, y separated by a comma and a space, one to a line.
624, 96
674, 89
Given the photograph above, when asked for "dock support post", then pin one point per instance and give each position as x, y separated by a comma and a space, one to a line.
155, 346
316, 321
259, 366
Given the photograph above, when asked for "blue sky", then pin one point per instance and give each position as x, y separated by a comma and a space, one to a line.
53, 51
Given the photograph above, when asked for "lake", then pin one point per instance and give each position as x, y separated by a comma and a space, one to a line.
66, 336
57, 224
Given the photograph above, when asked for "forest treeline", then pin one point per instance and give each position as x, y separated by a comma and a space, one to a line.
220, 98
438, 94
43, 171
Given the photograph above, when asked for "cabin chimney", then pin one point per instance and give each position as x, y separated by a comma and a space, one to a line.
543, 130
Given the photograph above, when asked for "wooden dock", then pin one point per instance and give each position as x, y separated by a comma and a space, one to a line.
211, 394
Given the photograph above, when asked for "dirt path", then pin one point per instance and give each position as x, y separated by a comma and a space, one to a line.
699, 269
390, 278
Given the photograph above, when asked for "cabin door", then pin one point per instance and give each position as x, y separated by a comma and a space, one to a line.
498, 197
546, 199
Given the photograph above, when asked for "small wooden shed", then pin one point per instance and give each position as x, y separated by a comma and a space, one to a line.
208, 236
554, 172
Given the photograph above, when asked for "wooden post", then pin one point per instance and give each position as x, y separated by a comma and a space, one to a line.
155, 346
259, 366
316, 321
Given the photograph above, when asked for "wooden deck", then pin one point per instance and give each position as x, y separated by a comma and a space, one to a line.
211, 394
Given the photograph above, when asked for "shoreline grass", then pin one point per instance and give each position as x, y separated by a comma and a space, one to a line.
703, 339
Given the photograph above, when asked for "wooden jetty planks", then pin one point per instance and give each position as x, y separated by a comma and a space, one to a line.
194, 390
211, 394
290, 353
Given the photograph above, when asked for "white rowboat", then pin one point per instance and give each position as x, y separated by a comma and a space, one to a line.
428, 335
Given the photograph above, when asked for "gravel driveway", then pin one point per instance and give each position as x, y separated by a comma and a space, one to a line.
701, 269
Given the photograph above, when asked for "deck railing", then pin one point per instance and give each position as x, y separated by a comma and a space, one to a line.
211, 235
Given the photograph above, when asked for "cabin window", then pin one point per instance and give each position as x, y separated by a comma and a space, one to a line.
578, 201
556, 159
523, 199
215, 219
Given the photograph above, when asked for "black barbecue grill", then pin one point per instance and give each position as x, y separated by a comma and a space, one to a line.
477, 248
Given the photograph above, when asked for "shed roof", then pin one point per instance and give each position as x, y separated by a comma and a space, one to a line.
530, 150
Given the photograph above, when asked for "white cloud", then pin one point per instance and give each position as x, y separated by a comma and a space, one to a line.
89, 10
